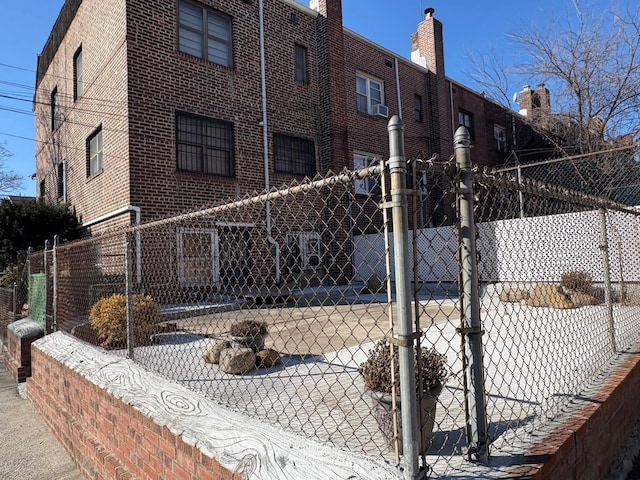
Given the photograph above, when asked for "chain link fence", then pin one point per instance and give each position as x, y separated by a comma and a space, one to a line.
272, 304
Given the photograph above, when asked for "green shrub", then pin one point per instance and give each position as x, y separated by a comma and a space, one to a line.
577, 281
109, 318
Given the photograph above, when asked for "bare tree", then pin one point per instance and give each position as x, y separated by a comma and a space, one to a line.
590, 62
9, 181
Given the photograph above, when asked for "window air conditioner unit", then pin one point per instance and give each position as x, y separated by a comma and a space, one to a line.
381, 110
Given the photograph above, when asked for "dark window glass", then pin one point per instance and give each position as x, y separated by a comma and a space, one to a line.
294, 155
204, 145
301, 64
205, 33
77, 74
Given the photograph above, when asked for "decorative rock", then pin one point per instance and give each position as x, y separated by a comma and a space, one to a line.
267, 358
549, 295
513, 295
580, 299
212, 352
237, 360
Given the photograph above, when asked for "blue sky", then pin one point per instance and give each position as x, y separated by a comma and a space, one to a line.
468, 28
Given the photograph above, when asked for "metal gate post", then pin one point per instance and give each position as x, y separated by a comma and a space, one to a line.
471, 327
56, 240
127, 287
606, 269
404, 340
47, 325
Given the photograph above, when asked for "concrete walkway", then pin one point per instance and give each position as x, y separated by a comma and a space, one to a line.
28, 450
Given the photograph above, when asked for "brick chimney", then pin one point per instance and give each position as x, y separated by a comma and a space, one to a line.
536, 103
427, 47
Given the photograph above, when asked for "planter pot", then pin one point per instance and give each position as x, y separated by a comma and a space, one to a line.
382, 410
255, 343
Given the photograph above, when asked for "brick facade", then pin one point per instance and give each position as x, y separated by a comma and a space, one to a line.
136, 81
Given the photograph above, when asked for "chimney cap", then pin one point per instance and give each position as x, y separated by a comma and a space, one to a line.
429, 12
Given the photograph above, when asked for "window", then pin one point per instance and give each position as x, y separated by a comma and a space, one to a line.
369, 92
303, 252
77, 74
43, 190
465, 119
301, 64
205, 33
417, 108
198, 256
365, 186
55, 110
500, 135
204, 145
61, 183
94, 153
294, 155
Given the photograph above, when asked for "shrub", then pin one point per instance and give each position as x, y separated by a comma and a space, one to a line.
109, 318
248, 328
577, 281
376, 370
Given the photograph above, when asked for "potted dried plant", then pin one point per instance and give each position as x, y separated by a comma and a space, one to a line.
248, 334
431, 373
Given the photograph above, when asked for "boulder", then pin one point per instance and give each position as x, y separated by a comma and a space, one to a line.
237, 360
267, 358
212, 352
513, 295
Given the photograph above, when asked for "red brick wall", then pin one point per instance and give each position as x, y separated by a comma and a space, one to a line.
108, 438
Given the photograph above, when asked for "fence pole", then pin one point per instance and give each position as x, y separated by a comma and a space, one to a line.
56, 241
471, 327
405, 335
127, 287
15, 301
29, 252
606, 269
47, 326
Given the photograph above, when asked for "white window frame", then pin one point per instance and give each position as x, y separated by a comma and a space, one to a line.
306, 252
95, 153
500, 136
362, 160
215, 256
366, 88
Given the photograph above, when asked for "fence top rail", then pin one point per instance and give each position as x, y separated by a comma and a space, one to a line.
582, 156
343, 178
548, 190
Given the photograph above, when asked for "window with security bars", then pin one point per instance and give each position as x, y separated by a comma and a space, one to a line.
294, 155
369, 185
205, 33
204, 145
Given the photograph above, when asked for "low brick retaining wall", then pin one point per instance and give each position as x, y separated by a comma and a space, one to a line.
20, 335
585, 443
119, 421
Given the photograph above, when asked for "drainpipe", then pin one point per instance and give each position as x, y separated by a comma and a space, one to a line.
115, 213
398, 89
265, 139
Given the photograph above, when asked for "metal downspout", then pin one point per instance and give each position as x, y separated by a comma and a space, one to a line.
265, 139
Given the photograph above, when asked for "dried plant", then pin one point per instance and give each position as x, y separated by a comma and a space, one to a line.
248, 328
109, 318
577, 281
376, 370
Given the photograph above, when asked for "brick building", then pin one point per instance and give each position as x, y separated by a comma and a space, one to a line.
146, 109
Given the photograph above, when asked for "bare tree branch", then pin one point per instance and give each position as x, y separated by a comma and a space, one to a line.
10, 182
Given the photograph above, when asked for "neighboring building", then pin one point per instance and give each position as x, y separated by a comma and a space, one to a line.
154, 108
